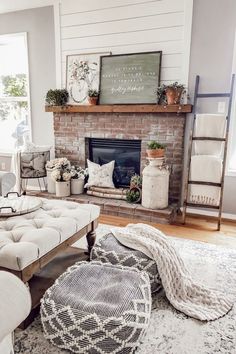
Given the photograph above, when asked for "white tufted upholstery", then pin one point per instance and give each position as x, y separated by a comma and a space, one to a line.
24, 239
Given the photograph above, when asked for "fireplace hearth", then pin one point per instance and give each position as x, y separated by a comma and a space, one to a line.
125, 153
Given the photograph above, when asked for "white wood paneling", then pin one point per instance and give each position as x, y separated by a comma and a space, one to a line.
128, 26
123, 12
72, 6
124, 26
109, 40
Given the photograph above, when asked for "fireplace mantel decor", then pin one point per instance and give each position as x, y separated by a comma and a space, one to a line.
122, 108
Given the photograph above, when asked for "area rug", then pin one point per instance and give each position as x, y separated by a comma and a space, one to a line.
171, 332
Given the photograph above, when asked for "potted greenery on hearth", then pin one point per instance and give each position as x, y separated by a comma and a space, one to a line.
133, 195
57, 97
78, 175
93, 96
155, 149
62, 176
136, 181
170, 94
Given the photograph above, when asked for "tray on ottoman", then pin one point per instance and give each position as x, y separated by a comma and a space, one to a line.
97, 308
109, 250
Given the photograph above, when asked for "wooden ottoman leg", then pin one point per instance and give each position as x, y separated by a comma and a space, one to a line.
91, 236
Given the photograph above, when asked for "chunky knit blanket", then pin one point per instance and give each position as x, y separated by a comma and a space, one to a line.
185, 294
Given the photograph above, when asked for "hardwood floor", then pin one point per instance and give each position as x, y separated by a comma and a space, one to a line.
196, 228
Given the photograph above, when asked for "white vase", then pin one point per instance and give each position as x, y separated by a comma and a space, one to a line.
155, 188
63, 189
51, 183
77, 186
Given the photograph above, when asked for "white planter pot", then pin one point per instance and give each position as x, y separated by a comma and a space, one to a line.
77, 186
51, 183
63, 189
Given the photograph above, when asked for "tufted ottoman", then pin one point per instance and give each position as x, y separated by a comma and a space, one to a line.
97, 308
109, 250
30, 241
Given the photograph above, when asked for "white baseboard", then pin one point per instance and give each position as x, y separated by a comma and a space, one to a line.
210, 213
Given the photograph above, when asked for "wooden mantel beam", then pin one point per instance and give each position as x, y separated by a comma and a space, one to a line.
131, 108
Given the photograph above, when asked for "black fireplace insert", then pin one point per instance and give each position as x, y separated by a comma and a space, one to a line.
126, 154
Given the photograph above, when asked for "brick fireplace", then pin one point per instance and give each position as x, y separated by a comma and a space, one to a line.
72, 129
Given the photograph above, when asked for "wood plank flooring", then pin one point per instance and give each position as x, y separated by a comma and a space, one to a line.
196, 228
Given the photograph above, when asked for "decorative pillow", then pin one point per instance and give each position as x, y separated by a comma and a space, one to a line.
100, 176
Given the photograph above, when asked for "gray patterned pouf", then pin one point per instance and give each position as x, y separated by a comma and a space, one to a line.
109, 250
97, 308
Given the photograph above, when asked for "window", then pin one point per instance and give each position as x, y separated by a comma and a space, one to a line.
232, 139
231, 162
14, 92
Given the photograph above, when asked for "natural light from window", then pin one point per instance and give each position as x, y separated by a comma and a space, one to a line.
14, 92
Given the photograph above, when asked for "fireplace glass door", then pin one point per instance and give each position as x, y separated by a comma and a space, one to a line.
126, 154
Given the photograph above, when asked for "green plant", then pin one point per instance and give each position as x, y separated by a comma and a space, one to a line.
133, 195
93, 93
78, 172
57, 97
136, 180
15, 86
161, 91
154, 145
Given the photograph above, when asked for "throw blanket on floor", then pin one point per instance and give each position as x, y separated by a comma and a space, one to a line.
204, 168
184, 294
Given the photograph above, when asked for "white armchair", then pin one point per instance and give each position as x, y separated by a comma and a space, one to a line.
15, 305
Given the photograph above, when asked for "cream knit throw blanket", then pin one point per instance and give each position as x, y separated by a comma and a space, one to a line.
186, 295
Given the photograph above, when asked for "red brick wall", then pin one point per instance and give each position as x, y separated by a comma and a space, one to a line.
72, 129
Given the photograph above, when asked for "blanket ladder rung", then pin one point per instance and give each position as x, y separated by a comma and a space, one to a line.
199, 205
208, 139
205, 183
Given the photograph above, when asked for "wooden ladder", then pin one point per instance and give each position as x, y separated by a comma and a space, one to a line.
198, 95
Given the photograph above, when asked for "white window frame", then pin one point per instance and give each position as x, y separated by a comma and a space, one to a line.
27, 99
232, 131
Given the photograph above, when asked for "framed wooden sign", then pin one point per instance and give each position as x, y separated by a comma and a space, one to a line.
130, 78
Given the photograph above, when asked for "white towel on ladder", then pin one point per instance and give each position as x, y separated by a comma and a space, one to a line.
205, 168
210, 126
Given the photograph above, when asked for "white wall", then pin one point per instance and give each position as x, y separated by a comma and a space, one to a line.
126, 26
39, 24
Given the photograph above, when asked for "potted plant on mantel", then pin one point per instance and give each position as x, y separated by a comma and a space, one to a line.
78, 176
155, 149
170, 94
93, 97
62, 177
57, 97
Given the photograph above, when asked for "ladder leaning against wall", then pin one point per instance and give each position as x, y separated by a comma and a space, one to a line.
197, 95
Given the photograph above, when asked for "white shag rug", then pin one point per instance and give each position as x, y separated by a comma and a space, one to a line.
171, 332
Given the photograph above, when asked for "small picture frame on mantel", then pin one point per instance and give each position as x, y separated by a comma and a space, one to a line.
130, 78
82, 74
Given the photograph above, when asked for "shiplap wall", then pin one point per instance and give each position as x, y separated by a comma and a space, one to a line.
127, 26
